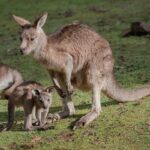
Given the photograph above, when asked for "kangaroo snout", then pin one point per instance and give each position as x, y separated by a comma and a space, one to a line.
22, 50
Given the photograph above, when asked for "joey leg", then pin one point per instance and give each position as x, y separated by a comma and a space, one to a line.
39, 117
28, 109
44, 117
11, 116
34, 119
28, 123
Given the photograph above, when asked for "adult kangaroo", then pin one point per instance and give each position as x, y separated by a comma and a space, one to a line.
76, 56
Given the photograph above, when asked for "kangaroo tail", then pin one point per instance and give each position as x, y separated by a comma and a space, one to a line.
113, 90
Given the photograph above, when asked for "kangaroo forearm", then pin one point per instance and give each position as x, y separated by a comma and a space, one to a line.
39, 117
54, 80
44, 116
57, 82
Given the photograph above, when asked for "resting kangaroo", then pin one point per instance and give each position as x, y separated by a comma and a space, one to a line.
29, 94
9, 79
76, 56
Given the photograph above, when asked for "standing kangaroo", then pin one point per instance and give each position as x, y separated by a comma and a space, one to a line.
76, 56
35, 100
9, 79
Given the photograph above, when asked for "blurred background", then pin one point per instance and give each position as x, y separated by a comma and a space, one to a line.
132, 68
109, 18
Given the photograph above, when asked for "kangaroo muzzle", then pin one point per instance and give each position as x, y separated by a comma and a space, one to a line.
22, 51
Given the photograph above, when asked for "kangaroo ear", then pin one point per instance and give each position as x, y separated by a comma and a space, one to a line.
50, 89
22, 22
40, 21
35, 92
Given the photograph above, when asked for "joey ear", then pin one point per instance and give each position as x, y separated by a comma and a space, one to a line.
40, 21
50, 89
35, 92
22, 22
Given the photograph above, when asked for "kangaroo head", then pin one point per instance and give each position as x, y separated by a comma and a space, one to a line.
43, 98
32, 37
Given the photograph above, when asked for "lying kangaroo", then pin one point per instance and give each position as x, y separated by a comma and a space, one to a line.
76, 56
29, 94
9, 79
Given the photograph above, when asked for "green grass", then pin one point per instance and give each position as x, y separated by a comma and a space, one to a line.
120, 126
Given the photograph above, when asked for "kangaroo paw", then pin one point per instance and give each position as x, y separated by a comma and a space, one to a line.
70, 90
36, 123
53, 117
80, 123
83, 121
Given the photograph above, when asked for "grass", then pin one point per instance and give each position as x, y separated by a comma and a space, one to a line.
120, 126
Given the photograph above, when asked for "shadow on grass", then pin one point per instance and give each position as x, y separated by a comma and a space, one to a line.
16, 127
19, 115
84, 106
80, 107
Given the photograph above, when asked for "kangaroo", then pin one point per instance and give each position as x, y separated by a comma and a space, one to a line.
29, 94
76, 56
9, 79
43, 101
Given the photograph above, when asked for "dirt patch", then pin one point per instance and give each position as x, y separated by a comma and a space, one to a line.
66, 136
12, 146
15, 146
34, 141
26, 146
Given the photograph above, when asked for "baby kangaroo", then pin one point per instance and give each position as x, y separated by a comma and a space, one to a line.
30, 94
9, 79
43, 100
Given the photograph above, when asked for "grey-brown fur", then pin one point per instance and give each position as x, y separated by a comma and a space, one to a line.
76, 56
43, 101
10, 78
23, 96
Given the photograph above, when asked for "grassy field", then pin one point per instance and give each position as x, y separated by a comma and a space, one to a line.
120, 126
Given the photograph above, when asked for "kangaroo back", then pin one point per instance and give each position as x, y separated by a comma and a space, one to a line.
9, 79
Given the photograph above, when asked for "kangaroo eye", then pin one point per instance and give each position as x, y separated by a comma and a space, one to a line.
32, 39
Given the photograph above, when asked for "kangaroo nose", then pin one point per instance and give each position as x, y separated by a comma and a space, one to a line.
22, 50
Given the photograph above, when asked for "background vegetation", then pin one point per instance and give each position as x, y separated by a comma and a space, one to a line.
120, 126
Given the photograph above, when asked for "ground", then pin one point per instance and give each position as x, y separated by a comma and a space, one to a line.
120, 126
